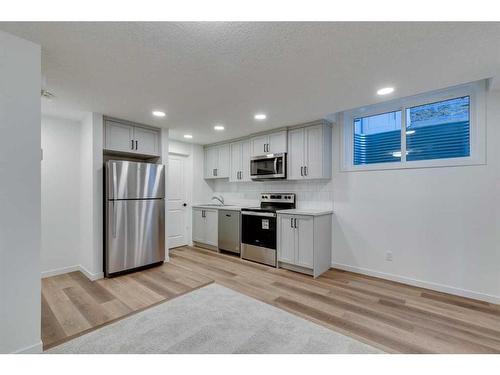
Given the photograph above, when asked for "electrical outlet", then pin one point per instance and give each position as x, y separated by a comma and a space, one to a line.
388, 256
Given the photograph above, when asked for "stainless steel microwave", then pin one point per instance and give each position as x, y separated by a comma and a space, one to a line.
268, 167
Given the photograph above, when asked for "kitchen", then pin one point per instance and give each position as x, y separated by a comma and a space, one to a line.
348, 212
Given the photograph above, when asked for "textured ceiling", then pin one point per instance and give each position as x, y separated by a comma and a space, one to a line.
207, 73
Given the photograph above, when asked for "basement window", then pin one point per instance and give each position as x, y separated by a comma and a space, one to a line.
442, 128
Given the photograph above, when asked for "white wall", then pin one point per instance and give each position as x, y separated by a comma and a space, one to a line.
91, 195
19, 195
441, 224
60, 195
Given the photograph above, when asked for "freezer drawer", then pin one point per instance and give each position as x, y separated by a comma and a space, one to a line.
135, 234
229, 231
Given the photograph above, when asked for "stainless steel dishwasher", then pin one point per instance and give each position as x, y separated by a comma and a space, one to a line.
229, 231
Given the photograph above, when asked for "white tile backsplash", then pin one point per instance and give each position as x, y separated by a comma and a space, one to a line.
314, 194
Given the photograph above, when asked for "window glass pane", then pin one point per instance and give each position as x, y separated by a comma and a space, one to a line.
377, 138
438, 130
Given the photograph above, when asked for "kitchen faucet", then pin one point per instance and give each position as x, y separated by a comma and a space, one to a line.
219, 198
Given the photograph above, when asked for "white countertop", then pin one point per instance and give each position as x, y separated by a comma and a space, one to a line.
307, 212
228, 207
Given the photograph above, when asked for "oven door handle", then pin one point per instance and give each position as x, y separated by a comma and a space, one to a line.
253, 213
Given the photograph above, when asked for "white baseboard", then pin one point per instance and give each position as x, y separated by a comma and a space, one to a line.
60, 271
91, 276
32, 349
419, 283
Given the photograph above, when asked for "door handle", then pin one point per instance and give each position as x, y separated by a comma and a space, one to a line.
114, 219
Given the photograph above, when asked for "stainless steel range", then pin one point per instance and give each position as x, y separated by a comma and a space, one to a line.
258, 227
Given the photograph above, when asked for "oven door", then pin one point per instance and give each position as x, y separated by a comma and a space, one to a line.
267, 167
258, 229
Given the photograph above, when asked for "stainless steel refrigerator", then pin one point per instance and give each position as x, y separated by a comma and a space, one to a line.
135, 216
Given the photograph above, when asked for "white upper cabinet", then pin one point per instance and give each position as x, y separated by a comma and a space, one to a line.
239, 170
118, 136
147, 141
131, 139
274, 143
217, 161
310, 152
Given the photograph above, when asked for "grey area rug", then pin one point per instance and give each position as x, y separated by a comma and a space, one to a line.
213, 319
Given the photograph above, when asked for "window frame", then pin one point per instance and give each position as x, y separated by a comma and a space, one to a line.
477, 128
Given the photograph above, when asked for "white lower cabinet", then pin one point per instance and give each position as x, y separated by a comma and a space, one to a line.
304, 243
205, 226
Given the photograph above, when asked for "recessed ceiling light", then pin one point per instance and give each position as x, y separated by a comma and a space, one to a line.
385, 91
260, 116
159, 113
188, 136
219, 127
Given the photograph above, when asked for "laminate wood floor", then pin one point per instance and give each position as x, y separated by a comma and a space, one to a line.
394, 317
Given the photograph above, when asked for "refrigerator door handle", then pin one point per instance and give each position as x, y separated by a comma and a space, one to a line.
114, 219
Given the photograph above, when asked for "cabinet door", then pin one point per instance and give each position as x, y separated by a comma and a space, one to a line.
286, 239
295, 154
245, 161
277, 142
211, 227
314, 152
211, 158
235, 165
147, 141
304, 249
118, 136
198, 225
223, 161
259, 145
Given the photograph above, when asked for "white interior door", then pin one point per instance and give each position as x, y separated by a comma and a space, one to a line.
177, 225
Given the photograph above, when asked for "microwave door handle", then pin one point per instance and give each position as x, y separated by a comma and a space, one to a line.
276, 165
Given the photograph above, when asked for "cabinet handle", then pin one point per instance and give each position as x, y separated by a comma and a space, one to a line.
136, 143
213, 172
216, 170
291, 222
305, 170
302, 171
295, 223
132, 144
